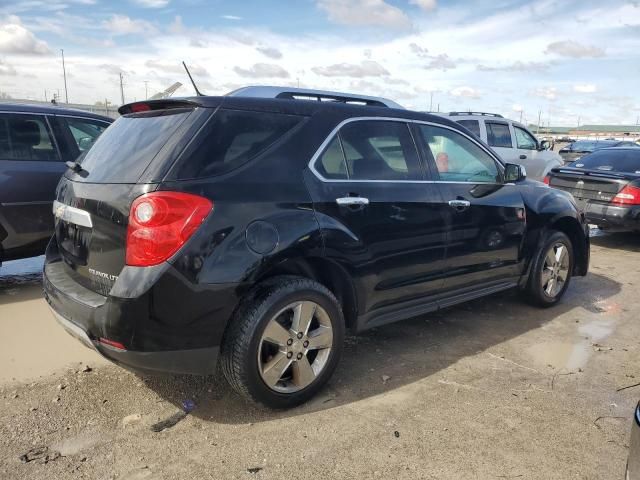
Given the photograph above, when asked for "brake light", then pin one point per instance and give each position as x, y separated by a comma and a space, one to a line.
547, 180
140, 107
160, 223
111, 343
629, 195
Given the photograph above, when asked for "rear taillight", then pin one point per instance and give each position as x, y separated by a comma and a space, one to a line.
160, 223
547, 180
629, 195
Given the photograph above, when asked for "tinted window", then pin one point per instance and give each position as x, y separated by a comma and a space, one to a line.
379, 150
524, 139
472, 125
129, 145
232, 138
498, 135
331, 164
84, 131
611, 160
457, 158
26, 137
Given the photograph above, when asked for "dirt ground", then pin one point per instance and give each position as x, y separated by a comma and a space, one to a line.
491, 389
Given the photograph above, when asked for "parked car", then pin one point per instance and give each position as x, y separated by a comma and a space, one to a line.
511, 140
35, 143
576, 150
254, 231
606, 185
633, 462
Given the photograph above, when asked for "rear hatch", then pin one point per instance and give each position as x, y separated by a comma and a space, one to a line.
588, 185
127, 160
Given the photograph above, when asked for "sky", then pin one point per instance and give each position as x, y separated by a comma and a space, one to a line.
565, 61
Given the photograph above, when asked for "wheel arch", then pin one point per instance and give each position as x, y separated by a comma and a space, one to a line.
571, 227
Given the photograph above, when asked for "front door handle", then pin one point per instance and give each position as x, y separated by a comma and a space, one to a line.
460, 205
352, 201
523, 157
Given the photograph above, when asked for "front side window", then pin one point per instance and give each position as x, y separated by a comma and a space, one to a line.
498, 135
26, 137
457, 158
471, 125
524, 140
84, 131
379, 150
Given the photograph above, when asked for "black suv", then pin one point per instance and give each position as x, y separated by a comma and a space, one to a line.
35, 143
257, 230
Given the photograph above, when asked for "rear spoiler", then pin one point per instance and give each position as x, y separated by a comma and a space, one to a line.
595, 173
148, 105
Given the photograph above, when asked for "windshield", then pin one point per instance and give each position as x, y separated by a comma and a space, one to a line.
127, 147
614, 160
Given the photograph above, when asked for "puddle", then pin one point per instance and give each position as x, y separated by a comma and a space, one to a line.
572, 355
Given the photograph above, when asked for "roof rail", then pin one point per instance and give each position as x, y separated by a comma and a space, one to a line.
313, 95
484, 114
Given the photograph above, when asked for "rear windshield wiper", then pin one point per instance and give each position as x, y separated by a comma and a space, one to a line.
76, 167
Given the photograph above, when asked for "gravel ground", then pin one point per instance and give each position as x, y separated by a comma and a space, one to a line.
491, 389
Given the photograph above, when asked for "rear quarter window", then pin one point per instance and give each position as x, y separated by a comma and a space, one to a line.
498, 135
230, 139
472, 125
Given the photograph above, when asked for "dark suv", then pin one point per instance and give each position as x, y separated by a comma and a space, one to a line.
35, 143
257, 230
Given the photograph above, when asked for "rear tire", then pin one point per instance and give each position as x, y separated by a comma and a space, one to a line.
284, 342
551, 270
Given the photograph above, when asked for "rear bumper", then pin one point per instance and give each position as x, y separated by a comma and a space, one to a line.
201, 361
613, 217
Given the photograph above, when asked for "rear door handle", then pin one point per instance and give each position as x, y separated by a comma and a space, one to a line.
523, 157
351, 201
460, 204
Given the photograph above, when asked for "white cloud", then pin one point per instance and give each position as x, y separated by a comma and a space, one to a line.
262, 70
441, 62
152, 3
418, 50
516, 66
270, 52
426, 5
517, 108
6, 69
366, 68
585, 88
466, 92
570, 48
550, 93
175, 67
231, 17
365, 13
16, 39
123, 25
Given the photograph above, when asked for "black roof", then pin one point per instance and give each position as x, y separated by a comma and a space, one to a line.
50, 110
295, 107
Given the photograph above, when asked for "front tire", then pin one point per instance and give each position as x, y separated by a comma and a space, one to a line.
551, 271
284, 343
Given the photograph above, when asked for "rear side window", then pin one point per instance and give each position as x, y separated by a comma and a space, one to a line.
27, 138
611, 161
129, 145
498, 135
472, 125
380, 150
230, 139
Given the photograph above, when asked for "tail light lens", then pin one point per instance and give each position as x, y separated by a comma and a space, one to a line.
160, 223
547, 180
629, 195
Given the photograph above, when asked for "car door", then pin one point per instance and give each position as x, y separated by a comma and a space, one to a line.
78, 134
537, 162
485, 218
380, 220
500, 139
30, 167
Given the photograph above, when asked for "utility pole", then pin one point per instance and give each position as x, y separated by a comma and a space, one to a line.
121, 89
521, 112
64, 73
578, 121
146, 89
431, 103
539, 115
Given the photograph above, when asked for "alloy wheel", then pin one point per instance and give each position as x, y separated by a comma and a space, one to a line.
555, 269
295, 347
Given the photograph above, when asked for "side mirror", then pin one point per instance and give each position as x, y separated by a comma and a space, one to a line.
514, 173
545, 145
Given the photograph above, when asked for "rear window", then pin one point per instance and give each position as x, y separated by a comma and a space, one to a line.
123, 152
230, 139
611, 161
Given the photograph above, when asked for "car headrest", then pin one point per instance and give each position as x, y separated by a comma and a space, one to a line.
25, 132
